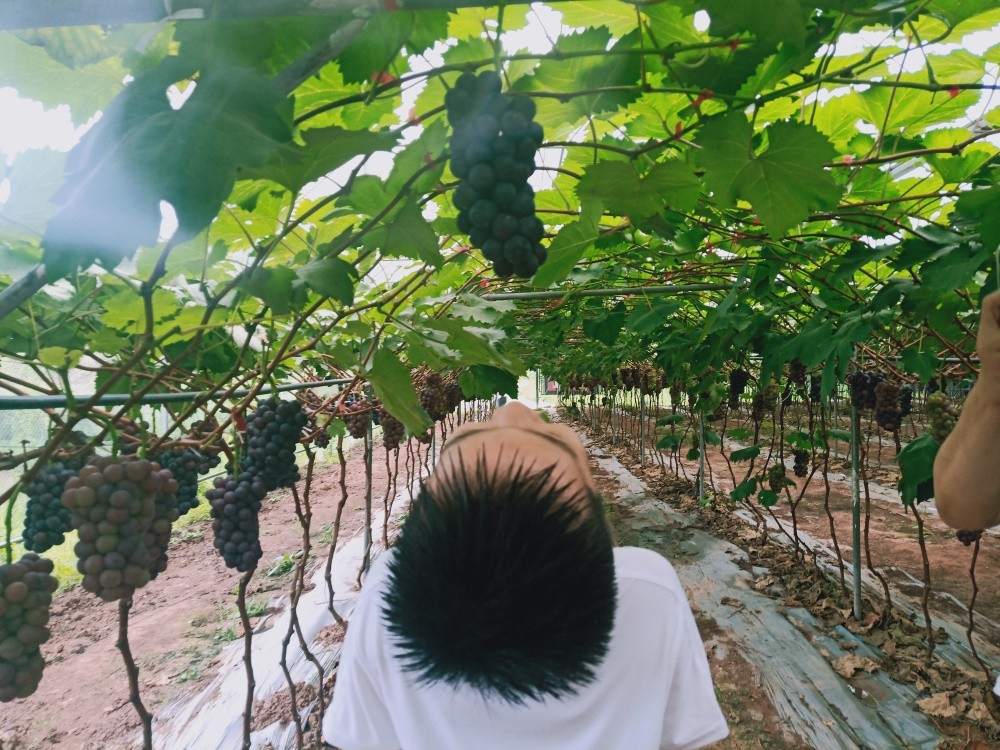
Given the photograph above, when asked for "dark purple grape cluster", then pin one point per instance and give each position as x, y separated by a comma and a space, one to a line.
905, 401
757, 405
493, 144
273, 431
800, 462
186, 466
968, 537
738, 380
26, 589
888, 413
115, 502
158, 536
862, 387
357, 413
236, 502
815, 388
129, 436
797, 372
392, 430
430, 389
46, 519
453, 392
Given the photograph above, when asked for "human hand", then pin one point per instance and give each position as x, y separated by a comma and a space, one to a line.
988, 344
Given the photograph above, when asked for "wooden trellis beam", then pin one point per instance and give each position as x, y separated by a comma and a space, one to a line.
19, 14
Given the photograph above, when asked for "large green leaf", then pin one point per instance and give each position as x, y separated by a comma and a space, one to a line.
916, 468
770, 21
34, 178
331, 277
569, 245
783, 183
407, 234
624, 191
393, 386
485, 382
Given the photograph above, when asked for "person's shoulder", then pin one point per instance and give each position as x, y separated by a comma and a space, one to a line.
638, 563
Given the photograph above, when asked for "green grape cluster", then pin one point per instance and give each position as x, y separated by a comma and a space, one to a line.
800, 462
776, 477
942, 415
888, 412
273, 432
46, 519
26, 589
114, 503
236, 502
493, 144
187, 466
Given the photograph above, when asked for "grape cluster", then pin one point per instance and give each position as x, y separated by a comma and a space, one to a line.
800, 462
862, 387
942, 415
797, 372
738, 380
273, 431
815, 388
114, 502
357, 414
493, 144
453, 392
776, 477
757, 407
236, 502
26, 589
888, 412
186, 466
676, 390
392, 429
46, 519
129, 436
430, 390
968, 537
157, 538
771, 393
905, 401
314, 407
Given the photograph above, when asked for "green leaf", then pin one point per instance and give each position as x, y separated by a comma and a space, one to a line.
277, 287
624, 191
484, 382
783, 183
745, 454
331, 277
376, 47
669, 442
654, 319
767, 497
744, 489
59, 358
606, 327
322, 151
693, 454
34, 177
916, 467
393, 386
407, 234
923, 364
770, 21
954, 269
569, 245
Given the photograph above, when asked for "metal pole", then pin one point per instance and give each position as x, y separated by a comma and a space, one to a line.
366, 561
642, 429
624, 291
701, 457
856, 507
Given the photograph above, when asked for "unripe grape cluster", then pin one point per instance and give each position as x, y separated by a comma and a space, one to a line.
888, 413
862, 388
46, 519
26, 589
942, 415
273, 431
114, 502
776, 477
493, 144
186, 466
800, 462
236, 502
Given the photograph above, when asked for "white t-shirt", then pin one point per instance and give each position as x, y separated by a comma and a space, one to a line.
653, 690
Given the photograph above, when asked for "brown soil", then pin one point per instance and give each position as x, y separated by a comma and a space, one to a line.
177, 624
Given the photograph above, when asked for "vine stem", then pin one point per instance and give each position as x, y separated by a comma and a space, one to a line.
327, 574
132, 670
241, 605
928, 625
972, 605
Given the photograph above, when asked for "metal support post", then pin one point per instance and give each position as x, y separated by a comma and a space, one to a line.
856, 507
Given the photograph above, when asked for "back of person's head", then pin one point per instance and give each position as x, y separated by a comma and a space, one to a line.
505, 584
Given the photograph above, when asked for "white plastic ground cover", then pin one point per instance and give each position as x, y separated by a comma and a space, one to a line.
213, 718
785, 645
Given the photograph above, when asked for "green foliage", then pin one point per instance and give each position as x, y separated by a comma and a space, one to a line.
916, 467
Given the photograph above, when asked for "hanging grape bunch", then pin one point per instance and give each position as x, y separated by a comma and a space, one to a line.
186, 466
273, 431
357, 413
888, 413
493, 144
432, 395
453, 392
129, 436
797, 373
942, 415
26, 589
771, 394
392, 429
968, 538
114, 504
905, 401
314, 408
46, 519
738, 380
776, 477
236, 502
757, 407
862, 387
157, 538
800, 465
815, 388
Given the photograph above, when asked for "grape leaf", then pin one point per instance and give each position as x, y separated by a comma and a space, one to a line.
782, 183
407, 234
916, 468
393, 386
484, 382
569, 245
625, 192
331, 277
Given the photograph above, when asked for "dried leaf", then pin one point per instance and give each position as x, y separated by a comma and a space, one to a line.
938, 704
848, 664
978, 712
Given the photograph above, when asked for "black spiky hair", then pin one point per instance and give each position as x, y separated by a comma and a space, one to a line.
505, 584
